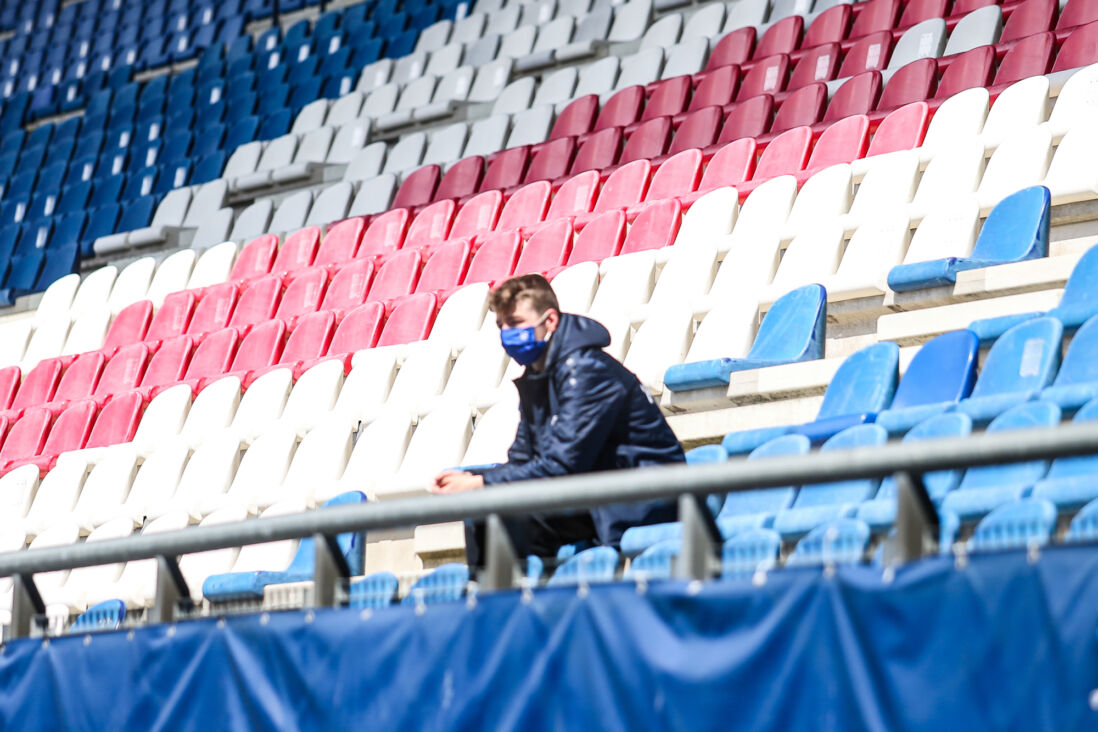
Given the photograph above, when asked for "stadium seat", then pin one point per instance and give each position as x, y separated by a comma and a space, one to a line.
941, 373
1069, 483
597, 564
839, 541
749, 552
375, 590
443, 584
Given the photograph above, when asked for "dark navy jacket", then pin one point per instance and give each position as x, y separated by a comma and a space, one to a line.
587, 412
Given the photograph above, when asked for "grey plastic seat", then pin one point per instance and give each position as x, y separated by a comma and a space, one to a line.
348, 142
642, 67
575, 8
518, 43
981, 27
367, 163
598, 77
445, 59
591, 32
331, 204
446, 144
781, 9
243, 160
630, 21
374, 75
409, 67
487, 135
504, 20
278, 154
687, 57
311, 155
207, 197
452, 89
491, 81
705, 23
310, 117
416, 94
923, 40
538, 12
551, 36
530, 126
557, 87
482, 51
488, 7
252, 221
515, 97
381, 101
345, 109
664, 33
213, 230
291, 213
469, 29
406, 154
374, 196
434, 36
743, 13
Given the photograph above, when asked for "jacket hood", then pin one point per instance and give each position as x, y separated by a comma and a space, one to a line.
574, 333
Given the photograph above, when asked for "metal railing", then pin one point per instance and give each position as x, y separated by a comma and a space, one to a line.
915, 535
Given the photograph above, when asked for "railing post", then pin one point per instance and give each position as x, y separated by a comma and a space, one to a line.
329, 567
26, 605
916, 522
171, 590
699, 535
499, 556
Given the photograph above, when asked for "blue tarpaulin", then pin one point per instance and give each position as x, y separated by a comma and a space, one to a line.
1000, 644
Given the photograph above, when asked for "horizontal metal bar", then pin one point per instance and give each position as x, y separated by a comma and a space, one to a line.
580, 491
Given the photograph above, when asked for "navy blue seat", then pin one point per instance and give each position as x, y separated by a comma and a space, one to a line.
171, 177
1016, 229
1019, 524
794, 329
941, 373
841, 541
69, 229
373, 591
208, 140
140, 183
241, 133
23, 276
208, 168
750, 551
101, 222
107, 190
443, 584
60, 261
1072, 482
400, 45
275, 125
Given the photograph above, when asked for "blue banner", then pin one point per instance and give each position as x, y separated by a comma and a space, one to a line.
1000, 644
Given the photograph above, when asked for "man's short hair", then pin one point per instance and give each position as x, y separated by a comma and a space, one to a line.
532, 287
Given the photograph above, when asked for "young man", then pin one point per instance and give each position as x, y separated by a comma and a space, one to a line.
581, 411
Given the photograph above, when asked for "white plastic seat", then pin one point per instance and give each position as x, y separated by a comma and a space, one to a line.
320, 460
1073, 173
538, 12
439, 442
17, 491
688, 269
504, 20
557, 87
453, 88
261, 470
47, 341
292, 212
949, 230
155, 482
313, 397
380, 102
826, 195
515, 97
876, 247
374, 196
345, 110
208, 475
261, 405
417, 93
812, 255
598, 77
444, 59
14, 337
1077, 103
958, 118
551, 36
1019, 162
469, 28
1019, 107
56, 495
211, 412
923, 40
172, 275
200, 565
374, 75
243, 160
477, 371
61, 535
330, 205
662, 341
136, 586
640, 68
575, 287
376, 455
207, 197
132, 284
518, 43
213, 266
422, 376
626, 283
493, 434
82, 580
630, 21
366, 164
482, 51
95, 289
955, 172
743, 13
163, 419
57, 298
87, 332
408, 68
434, 36
664, 33
367, 385
310, 117
726, 331
889, 184
406, 154
590, 33
105, 489
253, 221
461, 315
686, 57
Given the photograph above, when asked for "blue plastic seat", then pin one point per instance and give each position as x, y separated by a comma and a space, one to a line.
445, 584
106, 191
1072, 482
1084, 526
743, 510
597, 564
656, 561
1016, 229
984, 488
1019, 365
750, 551
106, 615
208, 168
1076, 381
23, 276
822, 502
880, 511
249, 585
1016, 525
101, 222
373, 591
842, 541
275, 125
942, 372
793, 330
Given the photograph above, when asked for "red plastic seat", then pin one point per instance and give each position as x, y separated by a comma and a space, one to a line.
397, 277
257, 303
1028, 18
506, 169
117, 421
38, 385
901, 129
912, 82
340, 242
70, 431
303, 295
874, 16
858, 95
601, 238
676, 176
698, 130
916, 11
432, 224
817, 64
1079, 49
418, 188
256, 258
385, 234
786, 154
830, 26
308, 342
749, 118
802, 107
782, 37
349, 286
411, 320
577, 118
129, 326
1076, 13
717, 88
526, 206
575, 196
495, 259
214, 310
842, 142
477, 215
551, 161
298, 251
79, 380
767, 76
359, 329
649, 140
624, 108
868, 54
547, 248
733, 48
969, 69
25, 438
211, 357
667, 98
167, 366
445, 268
123, 371
9, 384
625, 187
964, 7
656, 227
598, 150
1031, 56
462, 179
174, 316
731, 165
260, 349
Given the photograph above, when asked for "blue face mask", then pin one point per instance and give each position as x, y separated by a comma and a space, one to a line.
522, 344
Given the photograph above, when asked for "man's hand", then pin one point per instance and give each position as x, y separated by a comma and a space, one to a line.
456, 481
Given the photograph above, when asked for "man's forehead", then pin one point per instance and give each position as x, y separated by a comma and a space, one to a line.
522, 310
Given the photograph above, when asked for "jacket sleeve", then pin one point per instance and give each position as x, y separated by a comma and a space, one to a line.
589, 404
